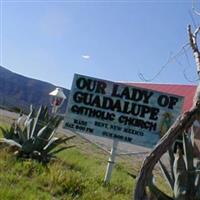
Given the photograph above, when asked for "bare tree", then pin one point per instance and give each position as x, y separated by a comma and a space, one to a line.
184, 122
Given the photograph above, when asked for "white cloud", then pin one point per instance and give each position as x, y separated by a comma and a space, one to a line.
86, 57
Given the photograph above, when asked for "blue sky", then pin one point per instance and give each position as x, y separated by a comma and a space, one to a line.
114, 40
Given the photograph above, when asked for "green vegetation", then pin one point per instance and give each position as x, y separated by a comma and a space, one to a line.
33, 136
184, 176
77, 173
74, 175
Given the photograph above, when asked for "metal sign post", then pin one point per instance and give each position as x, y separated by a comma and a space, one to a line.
111, 162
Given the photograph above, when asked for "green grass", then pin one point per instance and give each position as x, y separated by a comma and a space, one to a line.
76, 176
78, 173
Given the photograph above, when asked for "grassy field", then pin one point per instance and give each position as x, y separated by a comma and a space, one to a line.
76, 177
78, 173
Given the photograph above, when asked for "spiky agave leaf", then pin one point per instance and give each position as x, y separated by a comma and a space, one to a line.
29, 127
48, 152
36, 137
20, 121
45, 114
54, 142
46, 133
43, 136
38, 123
60, 149
30, 115
55, 121
157, 192
41, 140
181, 177
188, 153
171, 161
197, 181
10, 142
52, 135
21, 134
166, 174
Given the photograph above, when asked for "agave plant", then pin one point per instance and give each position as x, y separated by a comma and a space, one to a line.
34, 135
183, 176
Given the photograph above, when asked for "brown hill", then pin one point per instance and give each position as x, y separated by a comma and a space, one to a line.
20, 91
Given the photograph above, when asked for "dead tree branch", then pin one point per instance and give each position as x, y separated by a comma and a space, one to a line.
182, 123
194, 9
194, 46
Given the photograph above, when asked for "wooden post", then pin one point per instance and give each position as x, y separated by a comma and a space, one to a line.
111, 162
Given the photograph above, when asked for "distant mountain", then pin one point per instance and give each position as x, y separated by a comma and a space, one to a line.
20, 91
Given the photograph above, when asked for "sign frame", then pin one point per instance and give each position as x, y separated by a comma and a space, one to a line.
119, 111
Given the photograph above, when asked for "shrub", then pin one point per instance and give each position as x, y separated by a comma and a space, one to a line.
33, 136
184, 176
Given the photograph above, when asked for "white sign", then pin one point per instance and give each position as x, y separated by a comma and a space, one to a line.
114, 110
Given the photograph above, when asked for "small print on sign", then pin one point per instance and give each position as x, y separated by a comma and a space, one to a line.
114, 110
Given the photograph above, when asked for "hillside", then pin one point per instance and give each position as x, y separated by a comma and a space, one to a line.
20, 91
